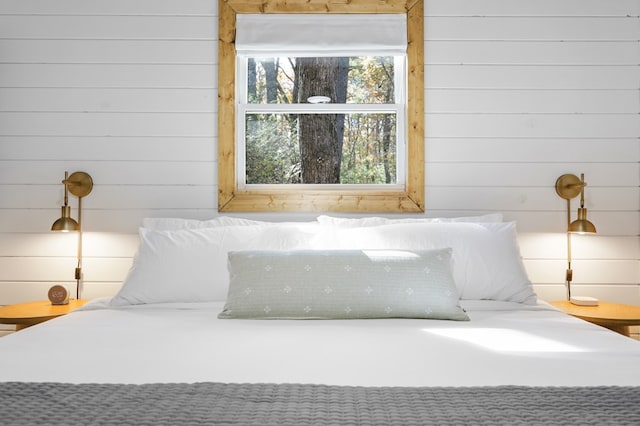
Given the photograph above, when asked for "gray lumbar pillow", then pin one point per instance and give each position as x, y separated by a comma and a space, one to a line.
342, 284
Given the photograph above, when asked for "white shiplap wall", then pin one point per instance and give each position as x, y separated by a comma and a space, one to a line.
518, 92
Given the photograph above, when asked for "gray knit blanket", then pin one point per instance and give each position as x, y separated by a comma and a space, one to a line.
301, 405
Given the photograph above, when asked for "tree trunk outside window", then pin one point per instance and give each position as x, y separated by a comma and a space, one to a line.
271, 73
321, 135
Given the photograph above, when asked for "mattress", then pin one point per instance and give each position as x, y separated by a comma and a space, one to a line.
503, 344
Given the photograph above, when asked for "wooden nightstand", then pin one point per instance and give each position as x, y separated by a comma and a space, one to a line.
24, 315
614, 316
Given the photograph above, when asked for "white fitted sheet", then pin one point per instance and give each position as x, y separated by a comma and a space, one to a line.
503, 344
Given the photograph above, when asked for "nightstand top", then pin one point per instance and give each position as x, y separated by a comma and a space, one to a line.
615, 313
33, 312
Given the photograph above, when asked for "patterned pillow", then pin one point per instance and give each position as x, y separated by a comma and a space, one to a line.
341, 284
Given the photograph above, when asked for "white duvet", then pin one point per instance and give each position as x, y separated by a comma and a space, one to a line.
503, 344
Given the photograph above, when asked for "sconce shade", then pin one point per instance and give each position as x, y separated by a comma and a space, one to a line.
581, 225
65, 223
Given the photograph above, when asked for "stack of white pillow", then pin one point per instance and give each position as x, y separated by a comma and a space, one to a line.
185, 260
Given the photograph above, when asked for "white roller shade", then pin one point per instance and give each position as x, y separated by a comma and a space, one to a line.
321, 34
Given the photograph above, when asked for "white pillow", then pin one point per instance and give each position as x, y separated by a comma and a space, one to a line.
190, 265
486, 257
377, 221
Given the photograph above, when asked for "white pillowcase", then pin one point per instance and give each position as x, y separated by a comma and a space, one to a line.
377, 221
190, 265
486, 257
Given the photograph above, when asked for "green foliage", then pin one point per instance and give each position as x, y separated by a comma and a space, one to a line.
272, 155
368, 146
370, 80
363, 154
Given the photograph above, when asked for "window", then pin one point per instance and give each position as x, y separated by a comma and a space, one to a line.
320, 107
274, 106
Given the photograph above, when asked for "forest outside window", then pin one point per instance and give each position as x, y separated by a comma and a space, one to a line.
320, 110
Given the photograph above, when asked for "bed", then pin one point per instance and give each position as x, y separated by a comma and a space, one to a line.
333, 322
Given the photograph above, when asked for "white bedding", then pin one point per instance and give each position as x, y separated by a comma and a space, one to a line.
505, 343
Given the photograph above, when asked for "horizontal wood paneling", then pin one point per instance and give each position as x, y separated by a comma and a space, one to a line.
532, 52
195, 173
133, 76
107, 124
530, 199
530, 174
558, 77
564, 28
111, 7
114, 27
542, 246
113, 219
77, 151
57, 269
56, 244
585, 271
534, 150
540, 8
532, 125
136, 196
108, 51
517, 93
585, 101
71, 99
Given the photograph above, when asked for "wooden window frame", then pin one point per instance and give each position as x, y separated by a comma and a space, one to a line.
230, 199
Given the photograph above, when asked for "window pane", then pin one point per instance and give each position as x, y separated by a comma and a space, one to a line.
288, 80
272, 155
356, 148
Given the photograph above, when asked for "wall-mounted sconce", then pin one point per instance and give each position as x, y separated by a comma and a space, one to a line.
79, 184
569, 186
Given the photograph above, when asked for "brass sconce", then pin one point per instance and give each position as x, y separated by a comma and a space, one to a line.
569, 186
79, 184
